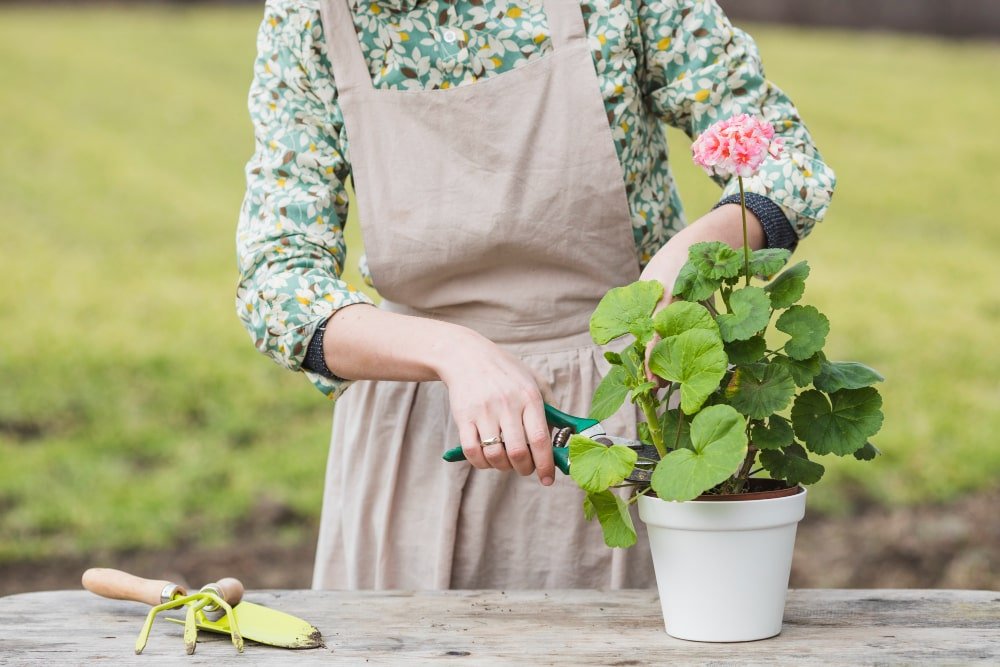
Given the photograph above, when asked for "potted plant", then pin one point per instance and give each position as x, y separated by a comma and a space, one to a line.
732, 382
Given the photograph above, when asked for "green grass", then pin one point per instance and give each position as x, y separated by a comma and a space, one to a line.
134, 411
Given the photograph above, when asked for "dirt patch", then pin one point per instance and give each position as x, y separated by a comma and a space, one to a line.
953, 545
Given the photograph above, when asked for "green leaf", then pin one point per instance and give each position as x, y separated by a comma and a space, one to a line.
808, 329
595, 467
613, 358
626, 310
751, 311
641, 389
802, 370
694, 359
840, 425
610, 394
835, 375
777, 434
867, 453
760, 390
692, 286
642, 431
768, 261
746, 351
668, 426
715, 259
612, 512
787, 288
791, 464
632, 359
719, 444
681, 316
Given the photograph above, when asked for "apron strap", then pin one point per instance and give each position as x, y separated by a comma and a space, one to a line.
565, 18
350, 71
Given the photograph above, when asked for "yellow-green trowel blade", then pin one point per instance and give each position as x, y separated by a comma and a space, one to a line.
267, 626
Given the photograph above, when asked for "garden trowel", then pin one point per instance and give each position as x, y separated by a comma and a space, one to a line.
264, 625
217, 607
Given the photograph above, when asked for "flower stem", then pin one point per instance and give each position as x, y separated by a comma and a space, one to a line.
648, 405
680, 424
746, 241
744, 474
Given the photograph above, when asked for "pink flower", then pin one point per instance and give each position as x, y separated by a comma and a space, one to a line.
736, 146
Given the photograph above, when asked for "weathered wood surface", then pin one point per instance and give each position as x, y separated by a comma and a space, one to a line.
517, 628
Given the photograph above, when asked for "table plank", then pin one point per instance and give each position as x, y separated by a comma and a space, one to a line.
518, 627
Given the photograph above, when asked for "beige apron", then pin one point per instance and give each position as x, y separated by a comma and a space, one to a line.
499, 206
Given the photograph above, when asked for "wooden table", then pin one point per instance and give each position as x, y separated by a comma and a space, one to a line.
520, 627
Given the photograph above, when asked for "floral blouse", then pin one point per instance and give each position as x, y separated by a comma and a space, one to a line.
679, 62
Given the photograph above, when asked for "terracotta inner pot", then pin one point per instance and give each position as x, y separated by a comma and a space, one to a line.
759, 489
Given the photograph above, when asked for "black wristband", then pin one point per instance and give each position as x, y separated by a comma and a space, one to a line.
777, 230
315, 360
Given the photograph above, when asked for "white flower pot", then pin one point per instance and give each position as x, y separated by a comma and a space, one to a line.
722, 566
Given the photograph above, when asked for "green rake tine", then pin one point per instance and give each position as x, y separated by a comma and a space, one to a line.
234, 628
140, 643
190, 628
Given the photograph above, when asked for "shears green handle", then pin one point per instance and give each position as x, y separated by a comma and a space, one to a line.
556, 418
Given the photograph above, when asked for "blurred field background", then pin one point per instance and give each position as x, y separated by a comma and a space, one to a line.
136, 416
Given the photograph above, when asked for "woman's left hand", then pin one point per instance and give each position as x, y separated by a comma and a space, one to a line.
722, 224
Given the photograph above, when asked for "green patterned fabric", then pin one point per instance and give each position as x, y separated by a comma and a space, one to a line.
679, 62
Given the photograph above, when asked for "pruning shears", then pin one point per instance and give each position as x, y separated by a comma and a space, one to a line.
568, 425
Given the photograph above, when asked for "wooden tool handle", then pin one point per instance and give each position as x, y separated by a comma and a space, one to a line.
230, 589
119, 585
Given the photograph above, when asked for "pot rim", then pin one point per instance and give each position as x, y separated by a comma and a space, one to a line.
724, 515
752, 495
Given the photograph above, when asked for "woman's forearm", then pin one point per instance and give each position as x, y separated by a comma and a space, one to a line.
362, 342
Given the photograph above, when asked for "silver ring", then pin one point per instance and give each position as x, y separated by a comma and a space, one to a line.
495, 440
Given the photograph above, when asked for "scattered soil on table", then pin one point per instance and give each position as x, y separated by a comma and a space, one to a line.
952, 545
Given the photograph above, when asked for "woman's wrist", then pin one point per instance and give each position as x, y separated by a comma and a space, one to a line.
450, 349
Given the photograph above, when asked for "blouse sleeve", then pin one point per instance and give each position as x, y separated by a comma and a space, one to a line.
290, 236
699, 69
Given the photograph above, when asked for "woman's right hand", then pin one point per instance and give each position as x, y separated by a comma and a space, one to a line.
493, 393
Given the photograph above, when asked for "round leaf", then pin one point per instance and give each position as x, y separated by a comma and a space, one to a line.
681, 316
692, 286
694, 359
760, 390
610, 394
802, 370
867, 453
768, 261
808, 329
746, 351
719, 443
792, 465
840, 425
751, 311
835, 375
595, 467
612, 512
626, 310
715, 259
777, 434
787, 288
